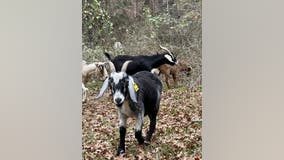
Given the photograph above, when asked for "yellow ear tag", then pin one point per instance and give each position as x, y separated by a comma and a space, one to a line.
136, 88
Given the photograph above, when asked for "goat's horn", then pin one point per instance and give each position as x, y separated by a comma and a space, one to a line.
112, 67
124, 66
167, 50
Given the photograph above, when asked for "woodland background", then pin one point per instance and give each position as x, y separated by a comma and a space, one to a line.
141, 26
138, 27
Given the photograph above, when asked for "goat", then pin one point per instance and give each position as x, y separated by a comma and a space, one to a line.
173, 71
89, 70
134, 64
96, 68
135, 96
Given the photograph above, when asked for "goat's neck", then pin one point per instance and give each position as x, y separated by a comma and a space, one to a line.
156, 60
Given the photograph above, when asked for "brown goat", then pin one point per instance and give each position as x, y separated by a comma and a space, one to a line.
173, 71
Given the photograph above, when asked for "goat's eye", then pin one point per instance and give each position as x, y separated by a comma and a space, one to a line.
111, 88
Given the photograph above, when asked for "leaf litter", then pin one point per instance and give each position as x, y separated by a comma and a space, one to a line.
177, 135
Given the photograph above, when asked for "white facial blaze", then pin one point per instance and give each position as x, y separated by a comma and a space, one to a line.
119, 95
117, 76
169, 58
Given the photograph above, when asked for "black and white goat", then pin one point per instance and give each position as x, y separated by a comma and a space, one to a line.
135, 96
134, 64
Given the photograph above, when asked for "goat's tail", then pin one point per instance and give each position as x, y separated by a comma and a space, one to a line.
108, 56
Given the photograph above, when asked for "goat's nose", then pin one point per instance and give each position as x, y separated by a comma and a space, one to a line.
118, 100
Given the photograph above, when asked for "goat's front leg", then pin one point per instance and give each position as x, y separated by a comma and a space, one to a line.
122, 132
167, 80
138, 128
175, 78
85, 93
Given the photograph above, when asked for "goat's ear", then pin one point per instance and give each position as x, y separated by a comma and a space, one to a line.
131, 89
104, 87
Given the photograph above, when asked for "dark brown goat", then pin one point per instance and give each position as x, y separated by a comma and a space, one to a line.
173, 71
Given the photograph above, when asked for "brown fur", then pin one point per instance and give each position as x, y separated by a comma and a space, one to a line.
173, 71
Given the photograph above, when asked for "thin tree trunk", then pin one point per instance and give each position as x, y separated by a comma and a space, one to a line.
134, 3
147, 2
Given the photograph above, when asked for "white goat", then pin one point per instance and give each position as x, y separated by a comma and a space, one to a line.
96, 69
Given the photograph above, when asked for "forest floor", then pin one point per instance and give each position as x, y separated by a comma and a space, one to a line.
177, 135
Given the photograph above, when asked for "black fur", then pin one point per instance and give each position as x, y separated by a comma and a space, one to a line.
140, 63
148, 83
148, 102
139, 137
121, 147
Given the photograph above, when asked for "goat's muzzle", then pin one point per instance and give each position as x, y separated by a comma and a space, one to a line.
118, 101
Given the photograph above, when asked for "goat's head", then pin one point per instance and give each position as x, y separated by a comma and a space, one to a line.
121, 85
183, 67
171, 59
102, 70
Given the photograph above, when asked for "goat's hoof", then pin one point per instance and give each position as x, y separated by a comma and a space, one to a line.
120, 151
141, 141
148, 138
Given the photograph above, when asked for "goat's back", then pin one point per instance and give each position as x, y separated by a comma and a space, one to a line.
150, 89
135, 66
148, 81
